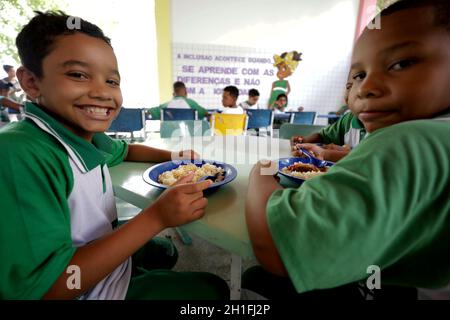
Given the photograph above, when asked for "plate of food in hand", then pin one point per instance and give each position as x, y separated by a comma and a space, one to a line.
166, 174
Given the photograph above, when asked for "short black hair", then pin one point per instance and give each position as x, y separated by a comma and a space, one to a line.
178, 85
35, 40
232, 90
7, 67
441, 10
253, 93
5, 85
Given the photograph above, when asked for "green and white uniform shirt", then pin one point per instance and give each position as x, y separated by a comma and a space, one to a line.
56, 196
178, 103
386, 204
347, 130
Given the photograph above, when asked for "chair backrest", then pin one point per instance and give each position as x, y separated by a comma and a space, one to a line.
186, 128
170, 114
259, 118
287, 130
128, 120
229, 124
304, 117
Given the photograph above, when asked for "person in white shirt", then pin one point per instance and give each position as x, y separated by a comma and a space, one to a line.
252, 102
229, 98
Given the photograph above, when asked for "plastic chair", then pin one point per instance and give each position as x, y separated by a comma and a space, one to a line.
229, 124
260, 119
171, 114
288, 130
187, 128
129, 120
304, 117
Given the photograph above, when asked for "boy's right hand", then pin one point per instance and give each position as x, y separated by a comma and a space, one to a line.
294, 141
182, 203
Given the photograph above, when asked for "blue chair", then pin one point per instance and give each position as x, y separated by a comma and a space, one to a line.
260, 119
304, 117
170, 114
186, 128
288, 130
129, 120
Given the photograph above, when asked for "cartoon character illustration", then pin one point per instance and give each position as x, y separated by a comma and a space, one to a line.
286, 64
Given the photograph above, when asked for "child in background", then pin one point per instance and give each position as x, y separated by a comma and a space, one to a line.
386, 205
280, 104
252, 101
229, 98
57, 199
5, 102
179, 101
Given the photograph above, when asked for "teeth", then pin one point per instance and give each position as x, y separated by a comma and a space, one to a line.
97, 110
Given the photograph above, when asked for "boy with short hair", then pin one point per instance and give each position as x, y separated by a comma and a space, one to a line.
387, 203
252, 101
179, 101
229, 98
57, 202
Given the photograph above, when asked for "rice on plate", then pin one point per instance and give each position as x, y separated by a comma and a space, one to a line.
303, 171
168, 178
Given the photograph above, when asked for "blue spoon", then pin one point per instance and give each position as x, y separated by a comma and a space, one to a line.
313, 160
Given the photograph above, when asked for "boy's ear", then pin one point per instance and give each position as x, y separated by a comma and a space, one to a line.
28, 82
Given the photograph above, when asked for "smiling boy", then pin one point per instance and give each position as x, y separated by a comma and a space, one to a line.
57, 201
386, 203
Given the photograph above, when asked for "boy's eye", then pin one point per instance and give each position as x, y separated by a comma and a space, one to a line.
359, 76
113, 82
401, 65
77, 75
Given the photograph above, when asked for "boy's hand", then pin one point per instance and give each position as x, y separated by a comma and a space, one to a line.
295, 140
181, 203
317, 151
189, 155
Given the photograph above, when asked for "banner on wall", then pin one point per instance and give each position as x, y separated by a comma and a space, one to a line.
207, 69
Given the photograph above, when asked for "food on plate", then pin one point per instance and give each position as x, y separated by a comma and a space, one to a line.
303, 170
168, 178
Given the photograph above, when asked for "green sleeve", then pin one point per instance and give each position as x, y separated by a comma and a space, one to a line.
385, 204
114, 150
335, 133
200, 110
35, 234
155, 113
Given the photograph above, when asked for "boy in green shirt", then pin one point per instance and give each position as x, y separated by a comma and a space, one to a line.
387, 203
58, 234
179, 101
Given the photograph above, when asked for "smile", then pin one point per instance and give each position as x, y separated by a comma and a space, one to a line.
371, 115
96, 111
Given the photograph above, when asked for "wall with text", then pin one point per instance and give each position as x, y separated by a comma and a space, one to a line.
216, 43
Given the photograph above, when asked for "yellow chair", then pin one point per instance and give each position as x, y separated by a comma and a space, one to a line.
229, 124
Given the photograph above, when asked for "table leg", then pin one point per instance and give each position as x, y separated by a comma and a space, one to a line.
235, 277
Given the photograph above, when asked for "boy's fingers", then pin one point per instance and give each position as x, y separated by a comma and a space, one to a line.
184, 180
197, 214
199, 204
195, 187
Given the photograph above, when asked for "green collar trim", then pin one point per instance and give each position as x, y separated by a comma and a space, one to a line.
85, 154
356, 123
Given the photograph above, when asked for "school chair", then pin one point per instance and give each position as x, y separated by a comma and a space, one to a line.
170, 114
287, 130
129, 120
258, 119
185, 128
229, 124
304, 117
